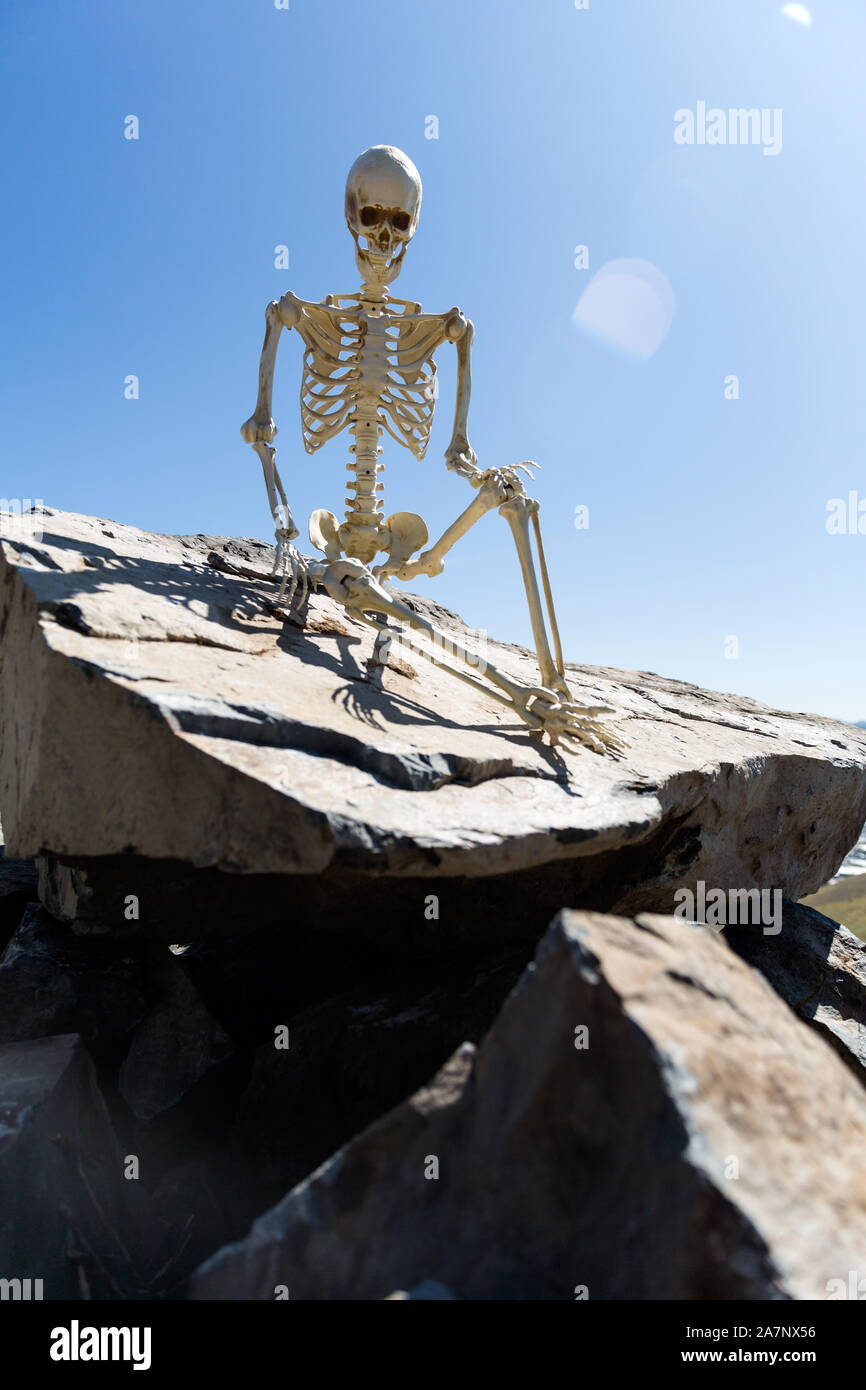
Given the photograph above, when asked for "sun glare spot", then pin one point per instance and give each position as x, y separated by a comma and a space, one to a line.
629, 305
799, 14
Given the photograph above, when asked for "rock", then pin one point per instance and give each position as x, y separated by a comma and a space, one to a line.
428, 1291
253, 981
60, 1172
52, 981
185, 718
659, 1154
18, 887
349, 1060
819, 969
176, 1048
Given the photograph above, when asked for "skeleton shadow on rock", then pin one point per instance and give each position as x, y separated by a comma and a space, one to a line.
364, 702
57, 590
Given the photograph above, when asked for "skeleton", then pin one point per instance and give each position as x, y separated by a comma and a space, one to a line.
369, 368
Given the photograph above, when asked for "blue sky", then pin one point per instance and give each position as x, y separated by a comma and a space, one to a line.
155, 257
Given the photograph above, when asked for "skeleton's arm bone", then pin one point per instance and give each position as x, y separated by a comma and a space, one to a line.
460, 456
283, 521
260, 429
285, 314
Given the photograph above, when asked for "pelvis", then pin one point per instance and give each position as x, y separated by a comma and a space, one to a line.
399, 537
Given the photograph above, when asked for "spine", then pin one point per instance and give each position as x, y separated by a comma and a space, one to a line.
365, 508
363, 532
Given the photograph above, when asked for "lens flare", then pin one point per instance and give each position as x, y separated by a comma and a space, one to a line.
799, 14
628, 304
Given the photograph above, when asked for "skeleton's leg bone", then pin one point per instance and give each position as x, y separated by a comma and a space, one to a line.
544, 713
376, 663
351, 584
517, 512
432, 561
474, 681
548, 594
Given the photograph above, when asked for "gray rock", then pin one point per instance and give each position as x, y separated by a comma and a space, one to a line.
60, 1173
18, 887
819, 969
175, 1048
52, 981
698, 1141
182, 718
428, 1291
350, 1059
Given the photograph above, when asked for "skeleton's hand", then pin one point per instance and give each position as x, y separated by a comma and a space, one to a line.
291, 565
258, 429
460, 457
503, 483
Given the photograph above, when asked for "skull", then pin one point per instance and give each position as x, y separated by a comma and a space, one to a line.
383, 200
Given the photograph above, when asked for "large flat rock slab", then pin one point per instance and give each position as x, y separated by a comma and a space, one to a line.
156, 703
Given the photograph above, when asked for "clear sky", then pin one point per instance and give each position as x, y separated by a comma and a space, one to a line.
155, 258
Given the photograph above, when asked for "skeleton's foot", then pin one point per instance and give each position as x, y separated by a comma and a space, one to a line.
564, 721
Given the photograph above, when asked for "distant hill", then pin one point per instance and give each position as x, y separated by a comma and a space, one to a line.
844, 901
860, 724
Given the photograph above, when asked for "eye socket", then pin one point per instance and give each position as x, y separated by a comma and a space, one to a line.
371, 217
401, 221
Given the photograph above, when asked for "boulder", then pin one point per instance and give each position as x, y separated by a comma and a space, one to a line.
176, 1048
340, 1064
819, 969
429, 1291
646, 1119
189, 730
60, 1173
52, 981
18, 887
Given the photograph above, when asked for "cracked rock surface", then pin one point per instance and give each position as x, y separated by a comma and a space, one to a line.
158, 705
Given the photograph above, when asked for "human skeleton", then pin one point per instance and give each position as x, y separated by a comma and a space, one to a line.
368, 367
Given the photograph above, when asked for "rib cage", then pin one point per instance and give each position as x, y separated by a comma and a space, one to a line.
348, 369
